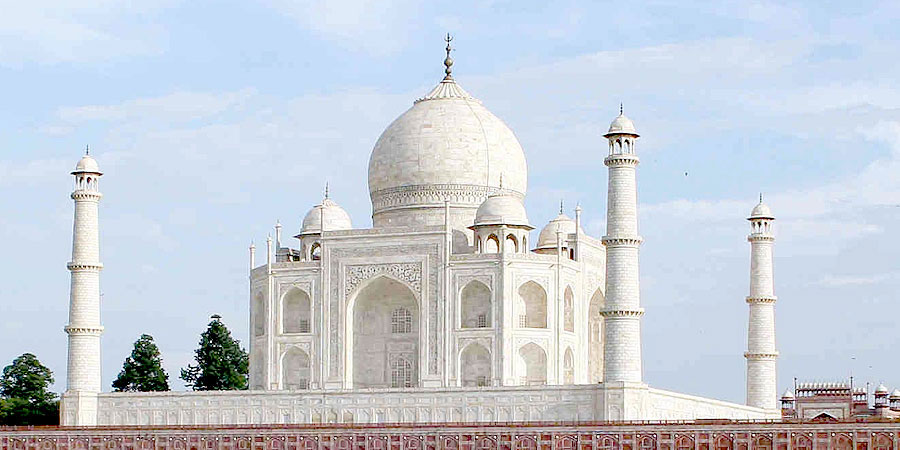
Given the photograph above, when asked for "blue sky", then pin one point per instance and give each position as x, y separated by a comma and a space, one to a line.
214, 119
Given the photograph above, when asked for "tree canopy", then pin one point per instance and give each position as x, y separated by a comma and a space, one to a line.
221, 363
142, 371
25, 398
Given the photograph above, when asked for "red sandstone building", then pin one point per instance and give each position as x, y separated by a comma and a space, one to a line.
873, 434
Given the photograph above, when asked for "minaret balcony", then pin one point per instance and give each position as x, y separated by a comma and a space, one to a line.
615, 241
758, 356
762, 299
622, 159
90, 331
86, 195
84, 267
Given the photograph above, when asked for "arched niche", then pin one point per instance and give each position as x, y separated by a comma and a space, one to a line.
595, 337
532, 305
569, 366
532, 365
295, 369
295, 312
569, 310
475, 366
475, 306
385, 328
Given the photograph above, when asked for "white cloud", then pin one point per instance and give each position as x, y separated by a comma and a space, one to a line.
46, 31
855, 280
365, 25
171, 108
33, 171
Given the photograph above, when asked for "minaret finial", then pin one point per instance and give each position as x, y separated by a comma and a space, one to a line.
501, 180
760, 197
621, 109
448, 61
326, 189
560, 206
87, 150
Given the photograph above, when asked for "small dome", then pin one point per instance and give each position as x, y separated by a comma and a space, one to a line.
502, 209
621, 125
87, 164
881, 390
328, 213
562, 222
788, 395
761, 211
895, 395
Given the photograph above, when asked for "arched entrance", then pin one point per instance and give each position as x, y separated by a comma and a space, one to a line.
384, 330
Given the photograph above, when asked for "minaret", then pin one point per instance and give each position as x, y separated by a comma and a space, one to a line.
761, 354
79, 406
622, 314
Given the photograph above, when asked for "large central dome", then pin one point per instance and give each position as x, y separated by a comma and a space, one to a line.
447, 146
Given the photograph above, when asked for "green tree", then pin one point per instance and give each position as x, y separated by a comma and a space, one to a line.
222, 364
25, 398
142, 371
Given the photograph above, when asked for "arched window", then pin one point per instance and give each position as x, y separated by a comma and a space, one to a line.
841, 442
315, 252
295, 312
882, 442
475, 306
723, 443
492, 244
569, 366
401, 373
802, 442
511, 245
762, 443
684, 443
569, 310
532, 306
401, 321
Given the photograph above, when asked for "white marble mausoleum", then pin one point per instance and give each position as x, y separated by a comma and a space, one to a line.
452, 306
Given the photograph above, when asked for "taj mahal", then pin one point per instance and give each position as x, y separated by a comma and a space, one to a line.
451, 307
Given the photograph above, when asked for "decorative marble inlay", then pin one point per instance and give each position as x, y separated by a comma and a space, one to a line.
410, 273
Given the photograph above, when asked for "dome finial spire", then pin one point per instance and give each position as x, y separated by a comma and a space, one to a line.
560, 206
760, 197
621, 109
326, 189
501, 180
448, 61
87, 150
